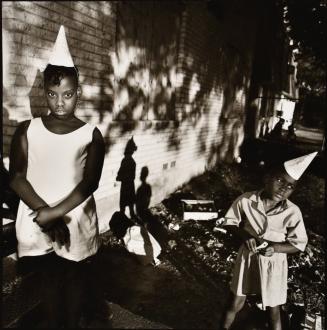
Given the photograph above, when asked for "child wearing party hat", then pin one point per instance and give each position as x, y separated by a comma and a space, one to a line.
55, 166
270, 227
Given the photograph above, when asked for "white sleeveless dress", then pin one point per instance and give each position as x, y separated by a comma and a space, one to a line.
55, 167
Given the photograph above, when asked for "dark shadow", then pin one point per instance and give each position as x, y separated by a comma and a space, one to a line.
173, 202
153, 225
143, 197
126, 175
9, 208
119, 223
148, 248
38, 103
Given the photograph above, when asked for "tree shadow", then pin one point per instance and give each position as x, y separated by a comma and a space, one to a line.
142, 68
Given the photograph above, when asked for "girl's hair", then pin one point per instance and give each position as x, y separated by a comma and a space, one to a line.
276, 169
53, 74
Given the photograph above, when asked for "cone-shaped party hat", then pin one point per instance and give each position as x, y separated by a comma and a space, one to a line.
295, 167
60, 54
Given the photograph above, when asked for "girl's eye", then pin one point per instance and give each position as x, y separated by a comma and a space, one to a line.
50, 94
69, 95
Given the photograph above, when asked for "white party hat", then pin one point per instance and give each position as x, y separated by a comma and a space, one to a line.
60, 54
295, 167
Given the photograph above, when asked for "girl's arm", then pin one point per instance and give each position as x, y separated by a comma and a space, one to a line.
18, 169
89, 183
249, 241
283, 247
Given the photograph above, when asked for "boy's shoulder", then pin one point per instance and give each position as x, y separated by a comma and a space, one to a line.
292, 206
249, 195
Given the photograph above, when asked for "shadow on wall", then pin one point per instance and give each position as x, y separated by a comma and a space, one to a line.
126, 175
145, 69
37, 98
143, 197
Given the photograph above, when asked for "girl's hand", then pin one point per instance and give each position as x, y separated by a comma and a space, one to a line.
251, 244
45, 217
59, 232
268, 251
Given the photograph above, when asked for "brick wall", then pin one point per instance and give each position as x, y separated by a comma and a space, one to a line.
167, 73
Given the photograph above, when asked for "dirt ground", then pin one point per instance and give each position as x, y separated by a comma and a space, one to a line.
190, 288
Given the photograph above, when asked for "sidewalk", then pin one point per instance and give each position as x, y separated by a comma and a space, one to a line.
122, 319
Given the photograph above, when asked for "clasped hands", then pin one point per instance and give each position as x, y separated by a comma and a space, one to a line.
52, 223
251, 245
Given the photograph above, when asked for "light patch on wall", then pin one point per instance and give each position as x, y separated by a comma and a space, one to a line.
189, 60
122, 98
106, 8
162, 109
164, 81
194, 88
188, 108
137, 112
123, 58
90, 91
179, 79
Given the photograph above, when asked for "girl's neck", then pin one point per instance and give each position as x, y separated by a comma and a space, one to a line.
61, 126
267, 202
53, 118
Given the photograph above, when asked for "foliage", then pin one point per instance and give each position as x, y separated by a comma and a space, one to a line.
306, 24
311, 76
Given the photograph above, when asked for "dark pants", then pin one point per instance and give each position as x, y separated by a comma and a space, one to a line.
65, 286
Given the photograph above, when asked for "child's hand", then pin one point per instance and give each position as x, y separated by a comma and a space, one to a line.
45, 217
251, 244
59, 232
268, 251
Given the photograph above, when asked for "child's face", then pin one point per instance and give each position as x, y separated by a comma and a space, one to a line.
279, 186
62, 99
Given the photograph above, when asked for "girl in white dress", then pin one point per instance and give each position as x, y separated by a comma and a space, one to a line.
55, 166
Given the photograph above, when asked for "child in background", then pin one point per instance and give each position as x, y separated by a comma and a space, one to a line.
266, 216
55, 166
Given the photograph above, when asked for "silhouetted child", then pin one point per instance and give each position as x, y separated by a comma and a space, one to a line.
55, 166
143, 196
266, 216
126, 175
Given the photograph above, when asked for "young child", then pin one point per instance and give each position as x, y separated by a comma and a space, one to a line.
266, 216
126, 175
55, 166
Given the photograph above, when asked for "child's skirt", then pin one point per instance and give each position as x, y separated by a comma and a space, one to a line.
257, 274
